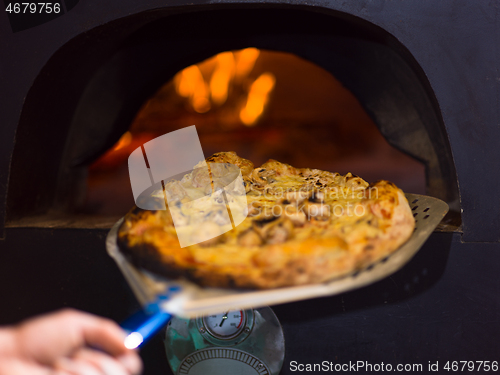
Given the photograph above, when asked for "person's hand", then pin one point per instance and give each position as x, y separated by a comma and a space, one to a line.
66, 343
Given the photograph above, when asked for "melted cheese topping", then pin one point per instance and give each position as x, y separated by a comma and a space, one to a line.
341, 222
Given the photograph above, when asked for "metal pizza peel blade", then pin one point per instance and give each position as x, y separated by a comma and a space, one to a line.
189, 300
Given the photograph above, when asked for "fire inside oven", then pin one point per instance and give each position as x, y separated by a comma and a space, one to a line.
261, 104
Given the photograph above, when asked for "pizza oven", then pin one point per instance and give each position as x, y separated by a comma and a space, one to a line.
402, 91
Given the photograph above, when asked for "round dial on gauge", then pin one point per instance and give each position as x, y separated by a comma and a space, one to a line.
225, 325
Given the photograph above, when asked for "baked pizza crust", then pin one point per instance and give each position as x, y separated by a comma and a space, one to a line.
361, 225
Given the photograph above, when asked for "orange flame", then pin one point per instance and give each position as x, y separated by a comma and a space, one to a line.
221, 77
124, 141
245, 61
224, 70
190, 84
258, 96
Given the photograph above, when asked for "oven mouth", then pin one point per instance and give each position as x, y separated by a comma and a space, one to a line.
369, 63
262, 105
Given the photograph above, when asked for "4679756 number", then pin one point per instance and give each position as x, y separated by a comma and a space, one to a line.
33, 8
463, 366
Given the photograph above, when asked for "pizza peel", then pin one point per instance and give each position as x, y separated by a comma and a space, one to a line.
183, 298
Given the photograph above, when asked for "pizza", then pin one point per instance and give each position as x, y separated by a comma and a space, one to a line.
300, 225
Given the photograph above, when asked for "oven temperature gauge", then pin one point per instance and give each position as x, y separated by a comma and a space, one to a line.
227, 325
244, 342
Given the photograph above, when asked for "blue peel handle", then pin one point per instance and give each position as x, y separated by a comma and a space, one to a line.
143, 325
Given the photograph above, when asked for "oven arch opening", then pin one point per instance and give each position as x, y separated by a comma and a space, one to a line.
370, 63
261, 104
